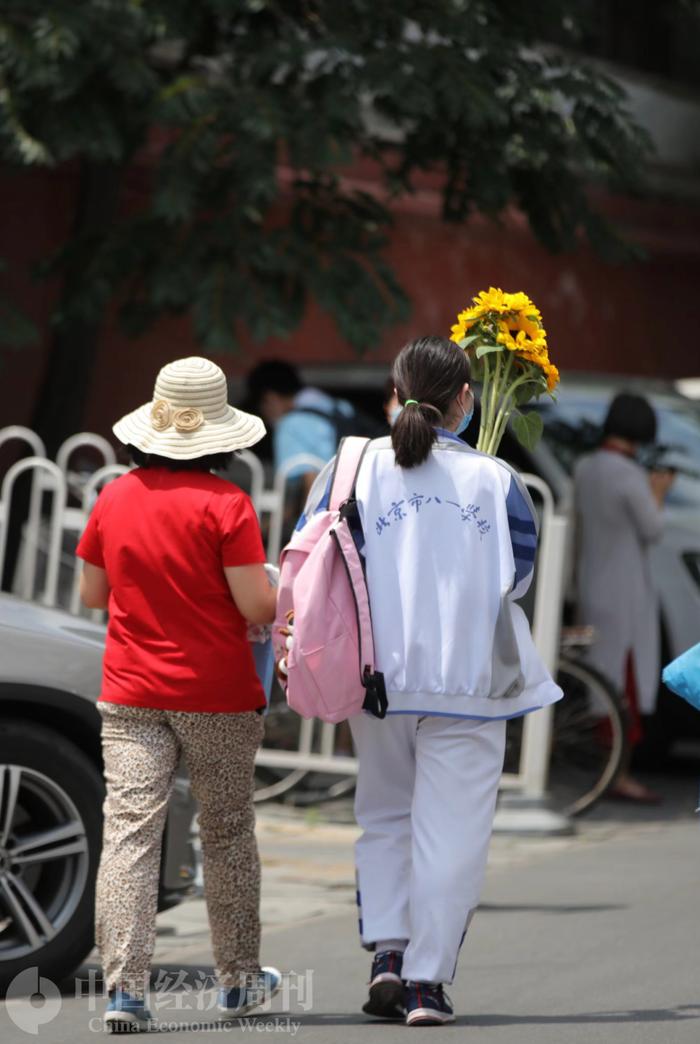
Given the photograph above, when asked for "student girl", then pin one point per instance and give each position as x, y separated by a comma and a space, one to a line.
449, 543
176, 555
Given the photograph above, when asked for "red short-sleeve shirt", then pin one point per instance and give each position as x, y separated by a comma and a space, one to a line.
175, 640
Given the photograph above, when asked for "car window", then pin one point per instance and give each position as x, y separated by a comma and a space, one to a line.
573, 424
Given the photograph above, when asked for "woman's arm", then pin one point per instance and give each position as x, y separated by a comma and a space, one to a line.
94, 587
644, 508
252, 592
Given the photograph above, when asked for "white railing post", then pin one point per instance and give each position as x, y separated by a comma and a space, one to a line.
93, 485
524, 808
97, 480
84, 438
257, 475
546, 628
53, 480
277, 501
27, 566
26, 435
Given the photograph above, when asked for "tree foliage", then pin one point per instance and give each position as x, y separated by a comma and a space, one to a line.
244, 114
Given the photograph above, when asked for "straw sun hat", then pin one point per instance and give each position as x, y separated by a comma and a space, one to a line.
189, 415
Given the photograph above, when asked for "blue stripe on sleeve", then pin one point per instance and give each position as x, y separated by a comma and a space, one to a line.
325, 499
521, 525
523, 553
321, 506
523, 532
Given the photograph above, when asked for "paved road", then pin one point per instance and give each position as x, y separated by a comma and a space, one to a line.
584, 939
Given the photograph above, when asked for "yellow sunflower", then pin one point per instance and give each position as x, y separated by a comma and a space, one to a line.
520, 302
528, 325
462, 327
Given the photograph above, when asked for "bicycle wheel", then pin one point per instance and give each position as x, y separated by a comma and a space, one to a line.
588, 738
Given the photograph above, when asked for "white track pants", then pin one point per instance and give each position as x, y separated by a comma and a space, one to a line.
426, 796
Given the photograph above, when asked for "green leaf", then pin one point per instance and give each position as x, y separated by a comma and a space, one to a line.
533, 387
485, 349
528, 428
466, 341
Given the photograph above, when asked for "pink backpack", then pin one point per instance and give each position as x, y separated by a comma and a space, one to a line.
330, 666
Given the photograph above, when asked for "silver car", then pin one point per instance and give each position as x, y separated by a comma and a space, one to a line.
51, 792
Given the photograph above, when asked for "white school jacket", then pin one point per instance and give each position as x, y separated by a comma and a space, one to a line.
448, 546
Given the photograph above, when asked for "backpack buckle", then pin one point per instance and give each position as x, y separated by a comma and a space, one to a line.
375, 700
348, 509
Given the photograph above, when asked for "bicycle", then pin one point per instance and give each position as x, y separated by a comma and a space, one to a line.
589, 731
588, 741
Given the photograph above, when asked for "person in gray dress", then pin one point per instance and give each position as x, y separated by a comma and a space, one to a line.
618, 506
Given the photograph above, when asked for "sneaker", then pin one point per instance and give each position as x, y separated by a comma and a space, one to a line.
236, 1001
386, 990
427, 1005
127, 1014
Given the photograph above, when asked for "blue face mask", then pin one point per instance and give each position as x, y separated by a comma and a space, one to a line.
394, 414
464, 423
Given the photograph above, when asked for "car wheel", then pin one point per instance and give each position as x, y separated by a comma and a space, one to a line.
50, 835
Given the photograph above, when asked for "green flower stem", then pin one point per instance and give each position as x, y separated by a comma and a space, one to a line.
526, 378
489, 399
485, 395
496, 389
499, 394
503, 415
500, 425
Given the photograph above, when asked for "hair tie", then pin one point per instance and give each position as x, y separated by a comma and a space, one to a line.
411, 402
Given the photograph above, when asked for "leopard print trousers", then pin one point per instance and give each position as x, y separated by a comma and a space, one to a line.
141, 749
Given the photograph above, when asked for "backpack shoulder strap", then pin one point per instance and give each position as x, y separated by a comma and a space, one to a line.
312, 412
347, 466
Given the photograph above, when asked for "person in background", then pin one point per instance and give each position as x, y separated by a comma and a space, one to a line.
304, 420
618, 506
174, 552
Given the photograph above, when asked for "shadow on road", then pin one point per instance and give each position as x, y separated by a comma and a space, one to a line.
551, 908
682, 1013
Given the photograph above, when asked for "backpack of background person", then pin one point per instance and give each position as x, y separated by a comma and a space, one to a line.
348, 424
682, 676
330, 667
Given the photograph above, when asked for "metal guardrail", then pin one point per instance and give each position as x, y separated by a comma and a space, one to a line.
531, 779
43, 538
316, 741
45, 476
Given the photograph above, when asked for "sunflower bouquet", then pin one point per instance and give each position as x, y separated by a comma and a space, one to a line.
507, 347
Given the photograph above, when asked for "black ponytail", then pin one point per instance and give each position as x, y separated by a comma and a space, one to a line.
428, 375
413, 434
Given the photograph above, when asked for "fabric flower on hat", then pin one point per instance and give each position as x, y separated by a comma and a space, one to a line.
189, 418
161, 415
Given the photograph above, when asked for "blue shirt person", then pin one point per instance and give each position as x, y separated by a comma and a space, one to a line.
305, 421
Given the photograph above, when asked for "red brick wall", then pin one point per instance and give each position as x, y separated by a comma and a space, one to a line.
641, 318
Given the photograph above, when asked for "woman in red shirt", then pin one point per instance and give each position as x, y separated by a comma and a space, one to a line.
175, 554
